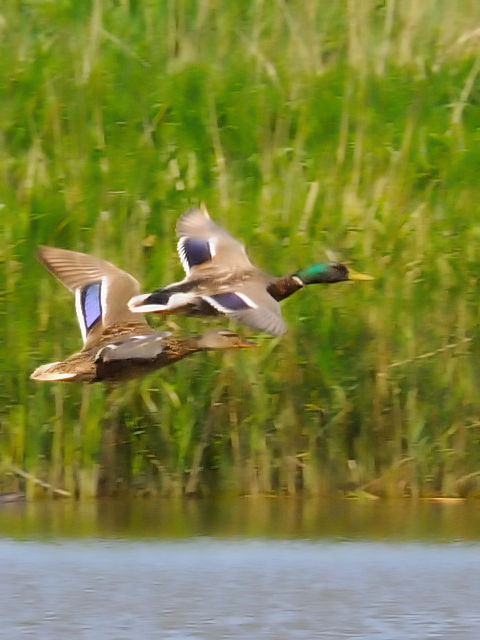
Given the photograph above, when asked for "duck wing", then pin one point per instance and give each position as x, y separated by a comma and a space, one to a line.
250, 304
101, 290
203, 244
142, 347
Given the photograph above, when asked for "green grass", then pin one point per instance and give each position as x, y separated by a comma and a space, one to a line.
307, 127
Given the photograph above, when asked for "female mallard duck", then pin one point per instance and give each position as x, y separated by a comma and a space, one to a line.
220, 279
118, 345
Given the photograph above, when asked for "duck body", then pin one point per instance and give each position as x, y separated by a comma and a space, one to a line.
93, 364
131, 356
118, 345
221, 280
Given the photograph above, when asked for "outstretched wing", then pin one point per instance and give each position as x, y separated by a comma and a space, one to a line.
203, 243
250, 305
101, 289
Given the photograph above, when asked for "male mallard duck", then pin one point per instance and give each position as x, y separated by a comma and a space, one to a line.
118, 345
220, 279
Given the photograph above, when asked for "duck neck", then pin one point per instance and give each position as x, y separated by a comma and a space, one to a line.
178, 349
282, 288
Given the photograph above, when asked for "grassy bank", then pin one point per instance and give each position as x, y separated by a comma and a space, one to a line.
306, 127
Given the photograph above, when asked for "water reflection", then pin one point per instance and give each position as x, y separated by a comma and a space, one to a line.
244, 518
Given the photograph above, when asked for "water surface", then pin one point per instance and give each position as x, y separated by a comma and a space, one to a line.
240, 569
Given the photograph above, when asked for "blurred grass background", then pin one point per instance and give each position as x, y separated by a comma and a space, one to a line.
306, 126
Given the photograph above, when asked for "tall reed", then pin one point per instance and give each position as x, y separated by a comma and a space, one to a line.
310, 129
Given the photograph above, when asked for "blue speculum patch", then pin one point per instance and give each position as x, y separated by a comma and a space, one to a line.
197, 251
91, 305
230, 301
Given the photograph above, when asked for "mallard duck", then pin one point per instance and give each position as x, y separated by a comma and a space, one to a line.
118, 345
220, 279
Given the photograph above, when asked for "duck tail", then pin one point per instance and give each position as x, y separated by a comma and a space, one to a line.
58, 371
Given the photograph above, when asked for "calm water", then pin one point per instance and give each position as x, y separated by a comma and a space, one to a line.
276, 569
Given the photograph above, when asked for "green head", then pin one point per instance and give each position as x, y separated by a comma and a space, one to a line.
327, 272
